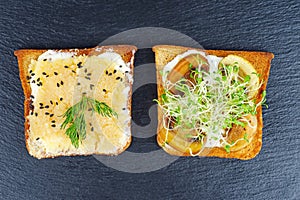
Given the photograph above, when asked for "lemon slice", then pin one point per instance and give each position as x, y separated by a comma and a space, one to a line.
246, 68
109, 90
184, 66
177, 141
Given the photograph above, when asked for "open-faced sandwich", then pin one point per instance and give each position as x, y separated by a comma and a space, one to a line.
210, 101
77, 102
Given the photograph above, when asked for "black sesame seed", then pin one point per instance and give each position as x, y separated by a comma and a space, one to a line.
118, 78
106, 72
38, 79
32, 74
91, 86
53, 121
31, 96
55, 73
53, 125
104, 90
85, 70
38, 84
79, 65
36, 114
56, 103
74, 71
90, 124
28, 77
120, 66
51, 102
31, 113
88, 74
33, 81
92, 129
45, 59
57, 84
41, 104
44, 73
88, 78
51, 115
37, 139
78, 83
115, 71
121, 79
46, 113
109, 74
60, 98
66, 66
41, 83
47, 106
47, 76
30, 71
123, 108
41, 107
61, 82
126, 71
84, 93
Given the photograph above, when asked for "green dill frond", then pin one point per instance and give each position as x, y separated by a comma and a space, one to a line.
75, 118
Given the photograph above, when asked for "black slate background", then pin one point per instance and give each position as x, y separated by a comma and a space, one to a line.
240, 25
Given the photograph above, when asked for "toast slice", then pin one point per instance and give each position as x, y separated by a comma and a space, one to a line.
261, 61
55, 80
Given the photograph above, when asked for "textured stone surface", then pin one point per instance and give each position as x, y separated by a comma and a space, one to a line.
268, 26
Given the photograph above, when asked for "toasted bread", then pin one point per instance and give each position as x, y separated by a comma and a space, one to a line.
261, 62
58, 143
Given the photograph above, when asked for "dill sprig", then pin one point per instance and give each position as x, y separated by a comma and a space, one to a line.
75, 118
